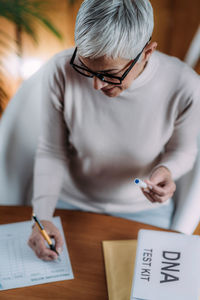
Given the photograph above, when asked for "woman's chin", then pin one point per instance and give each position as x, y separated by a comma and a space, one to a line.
112, 92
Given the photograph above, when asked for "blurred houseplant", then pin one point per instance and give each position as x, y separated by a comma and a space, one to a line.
23, 14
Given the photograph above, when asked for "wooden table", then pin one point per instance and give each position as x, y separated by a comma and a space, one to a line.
84, 234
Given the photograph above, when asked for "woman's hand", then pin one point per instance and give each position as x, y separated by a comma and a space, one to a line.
37, 242
162, 186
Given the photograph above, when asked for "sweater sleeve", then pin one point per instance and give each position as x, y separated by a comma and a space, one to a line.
51, 152
181, 150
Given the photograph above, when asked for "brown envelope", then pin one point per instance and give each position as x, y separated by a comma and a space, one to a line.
119, 257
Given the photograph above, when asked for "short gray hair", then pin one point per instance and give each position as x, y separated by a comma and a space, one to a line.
115, 28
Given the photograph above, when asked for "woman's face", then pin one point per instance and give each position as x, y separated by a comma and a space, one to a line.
117, 67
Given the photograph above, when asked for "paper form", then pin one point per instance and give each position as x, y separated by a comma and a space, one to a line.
20, 267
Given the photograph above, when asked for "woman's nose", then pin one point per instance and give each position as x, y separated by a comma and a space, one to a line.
98, 84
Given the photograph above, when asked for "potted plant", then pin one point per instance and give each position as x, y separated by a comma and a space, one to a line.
22, 13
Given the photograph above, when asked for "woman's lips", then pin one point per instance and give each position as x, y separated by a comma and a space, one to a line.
108, 90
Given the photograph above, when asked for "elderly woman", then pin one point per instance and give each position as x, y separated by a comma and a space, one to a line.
114, 109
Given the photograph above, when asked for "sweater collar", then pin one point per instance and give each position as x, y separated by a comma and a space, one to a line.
146, 75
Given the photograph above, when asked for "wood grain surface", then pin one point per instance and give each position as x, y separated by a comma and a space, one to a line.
84, 233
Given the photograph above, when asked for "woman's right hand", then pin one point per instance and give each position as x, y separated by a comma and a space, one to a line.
37, 242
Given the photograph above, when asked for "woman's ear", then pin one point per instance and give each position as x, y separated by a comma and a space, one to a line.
148, 50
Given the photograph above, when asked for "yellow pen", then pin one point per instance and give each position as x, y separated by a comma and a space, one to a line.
44, 233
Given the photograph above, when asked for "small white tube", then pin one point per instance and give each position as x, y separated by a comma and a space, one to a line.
140, 183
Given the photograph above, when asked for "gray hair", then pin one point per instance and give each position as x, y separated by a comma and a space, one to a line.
115, 28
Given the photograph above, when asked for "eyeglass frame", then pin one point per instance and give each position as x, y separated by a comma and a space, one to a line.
100, 75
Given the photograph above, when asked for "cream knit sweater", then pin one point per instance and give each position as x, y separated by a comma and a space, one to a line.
92, 146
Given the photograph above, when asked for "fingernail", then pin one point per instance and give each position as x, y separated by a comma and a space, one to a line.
146, 190
150, 187
59, 250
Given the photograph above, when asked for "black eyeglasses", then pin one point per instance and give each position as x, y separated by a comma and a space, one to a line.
105, 77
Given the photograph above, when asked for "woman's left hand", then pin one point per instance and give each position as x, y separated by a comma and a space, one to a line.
162, 185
